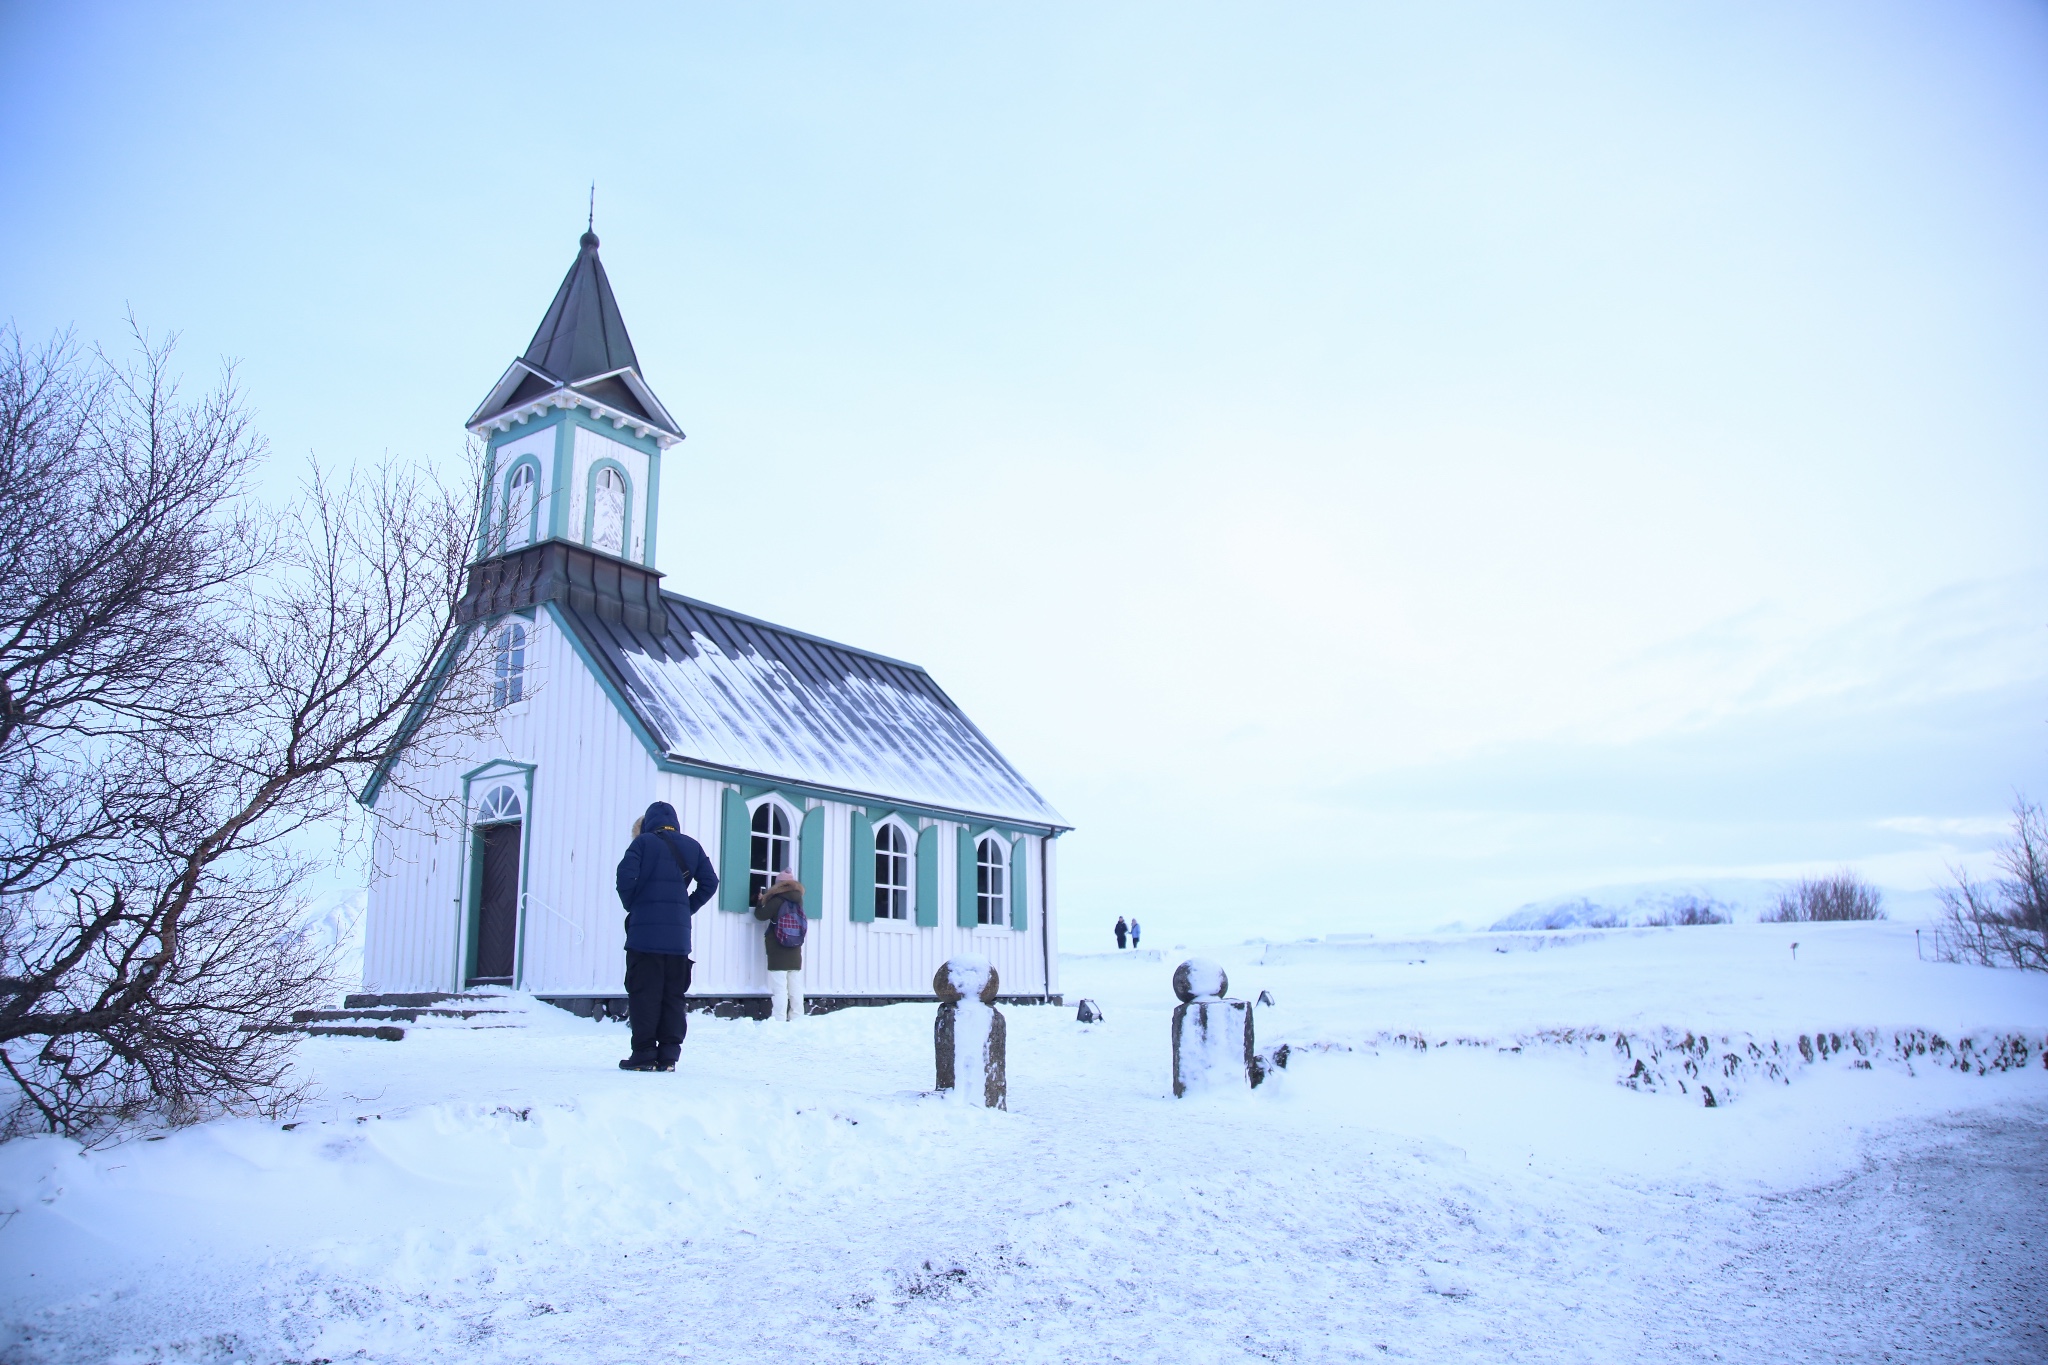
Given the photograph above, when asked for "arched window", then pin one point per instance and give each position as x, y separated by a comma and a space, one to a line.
499, 804
892, 872
991, 882
519, 508
774, 851
509, 683
608, 513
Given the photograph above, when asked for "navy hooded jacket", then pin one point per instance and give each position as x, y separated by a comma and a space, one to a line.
663, 880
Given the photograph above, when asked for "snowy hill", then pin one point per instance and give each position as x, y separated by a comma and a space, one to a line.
1740, 899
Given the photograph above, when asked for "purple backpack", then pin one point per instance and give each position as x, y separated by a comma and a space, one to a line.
788, 925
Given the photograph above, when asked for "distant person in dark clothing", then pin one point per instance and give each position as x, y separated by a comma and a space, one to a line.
1121, 930
663, 880
1134, 931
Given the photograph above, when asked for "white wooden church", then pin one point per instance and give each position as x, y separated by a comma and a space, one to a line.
916, 839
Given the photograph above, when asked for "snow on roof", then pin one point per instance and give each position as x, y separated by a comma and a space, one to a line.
738, 693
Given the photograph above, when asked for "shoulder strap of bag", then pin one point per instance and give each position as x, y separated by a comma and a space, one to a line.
674, 851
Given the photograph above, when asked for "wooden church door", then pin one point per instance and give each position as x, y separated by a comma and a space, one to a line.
497, 925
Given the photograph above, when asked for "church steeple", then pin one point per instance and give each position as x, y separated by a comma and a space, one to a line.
574, 434
581, 345
582, 334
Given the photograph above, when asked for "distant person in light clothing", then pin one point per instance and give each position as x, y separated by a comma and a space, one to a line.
785, 964
1134, 931
1121, 930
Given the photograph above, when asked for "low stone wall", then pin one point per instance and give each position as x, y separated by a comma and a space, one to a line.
1715, 1068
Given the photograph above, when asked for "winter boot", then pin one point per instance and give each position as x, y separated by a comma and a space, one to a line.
644, 1061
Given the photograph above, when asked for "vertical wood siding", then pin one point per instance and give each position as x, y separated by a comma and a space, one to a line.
591, 779
409, 932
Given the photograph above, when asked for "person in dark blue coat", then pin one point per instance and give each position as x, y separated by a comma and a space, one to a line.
664, 879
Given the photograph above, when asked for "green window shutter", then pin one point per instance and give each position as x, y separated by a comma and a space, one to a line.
863, 883
964, 864
928, 876
810, 862
1020, 901
735, 846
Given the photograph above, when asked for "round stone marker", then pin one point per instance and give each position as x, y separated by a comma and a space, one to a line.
966, 975
1199, 979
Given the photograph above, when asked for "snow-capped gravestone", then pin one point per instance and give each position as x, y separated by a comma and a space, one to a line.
968, 1034
1212, 1036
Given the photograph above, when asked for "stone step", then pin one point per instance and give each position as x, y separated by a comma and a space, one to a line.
390, 1033
402, 1015
405, 1000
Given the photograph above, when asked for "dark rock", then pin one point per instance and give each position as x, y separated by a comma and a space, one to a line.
1089, 1013
956, 973
1265, 1063
1266, 999
1199, 979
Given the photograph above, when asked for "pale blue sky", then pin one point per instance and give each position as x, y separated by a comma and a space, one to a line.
1370, 465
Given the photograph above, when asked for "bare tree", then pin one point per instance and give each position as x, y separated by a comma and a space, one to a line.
1686, 911
1843, 896
190, 682
2004, 922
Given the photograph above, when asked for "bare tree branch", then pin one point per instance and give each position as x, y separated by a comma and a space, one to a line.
189, 681
2004, 922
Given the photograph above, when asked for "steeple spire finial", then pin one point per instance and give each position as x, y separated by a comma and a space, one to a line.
589, 238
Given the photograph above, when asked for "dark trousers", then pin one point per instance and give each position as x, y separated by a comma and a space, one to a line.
655, 986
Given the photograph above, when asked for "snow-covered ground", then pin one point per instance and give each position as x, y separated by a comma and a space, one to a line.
1448, 1169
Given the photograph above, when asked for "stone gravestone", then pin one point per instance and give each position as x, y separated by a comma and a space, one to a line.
1212, 1036
968, 1034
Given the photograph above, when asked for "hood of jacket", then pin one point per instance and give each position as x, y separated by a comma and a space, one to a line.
661, 815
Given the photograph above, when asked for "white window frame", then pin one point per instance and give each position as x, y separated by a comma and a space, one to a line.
795, 820
991, 909
504, 814
508, 664
597, 480
519, 521
908, 918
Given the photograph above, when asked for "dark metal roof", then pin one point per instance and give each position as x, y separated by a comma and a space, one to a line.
736, 693
581, 344
582, 334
